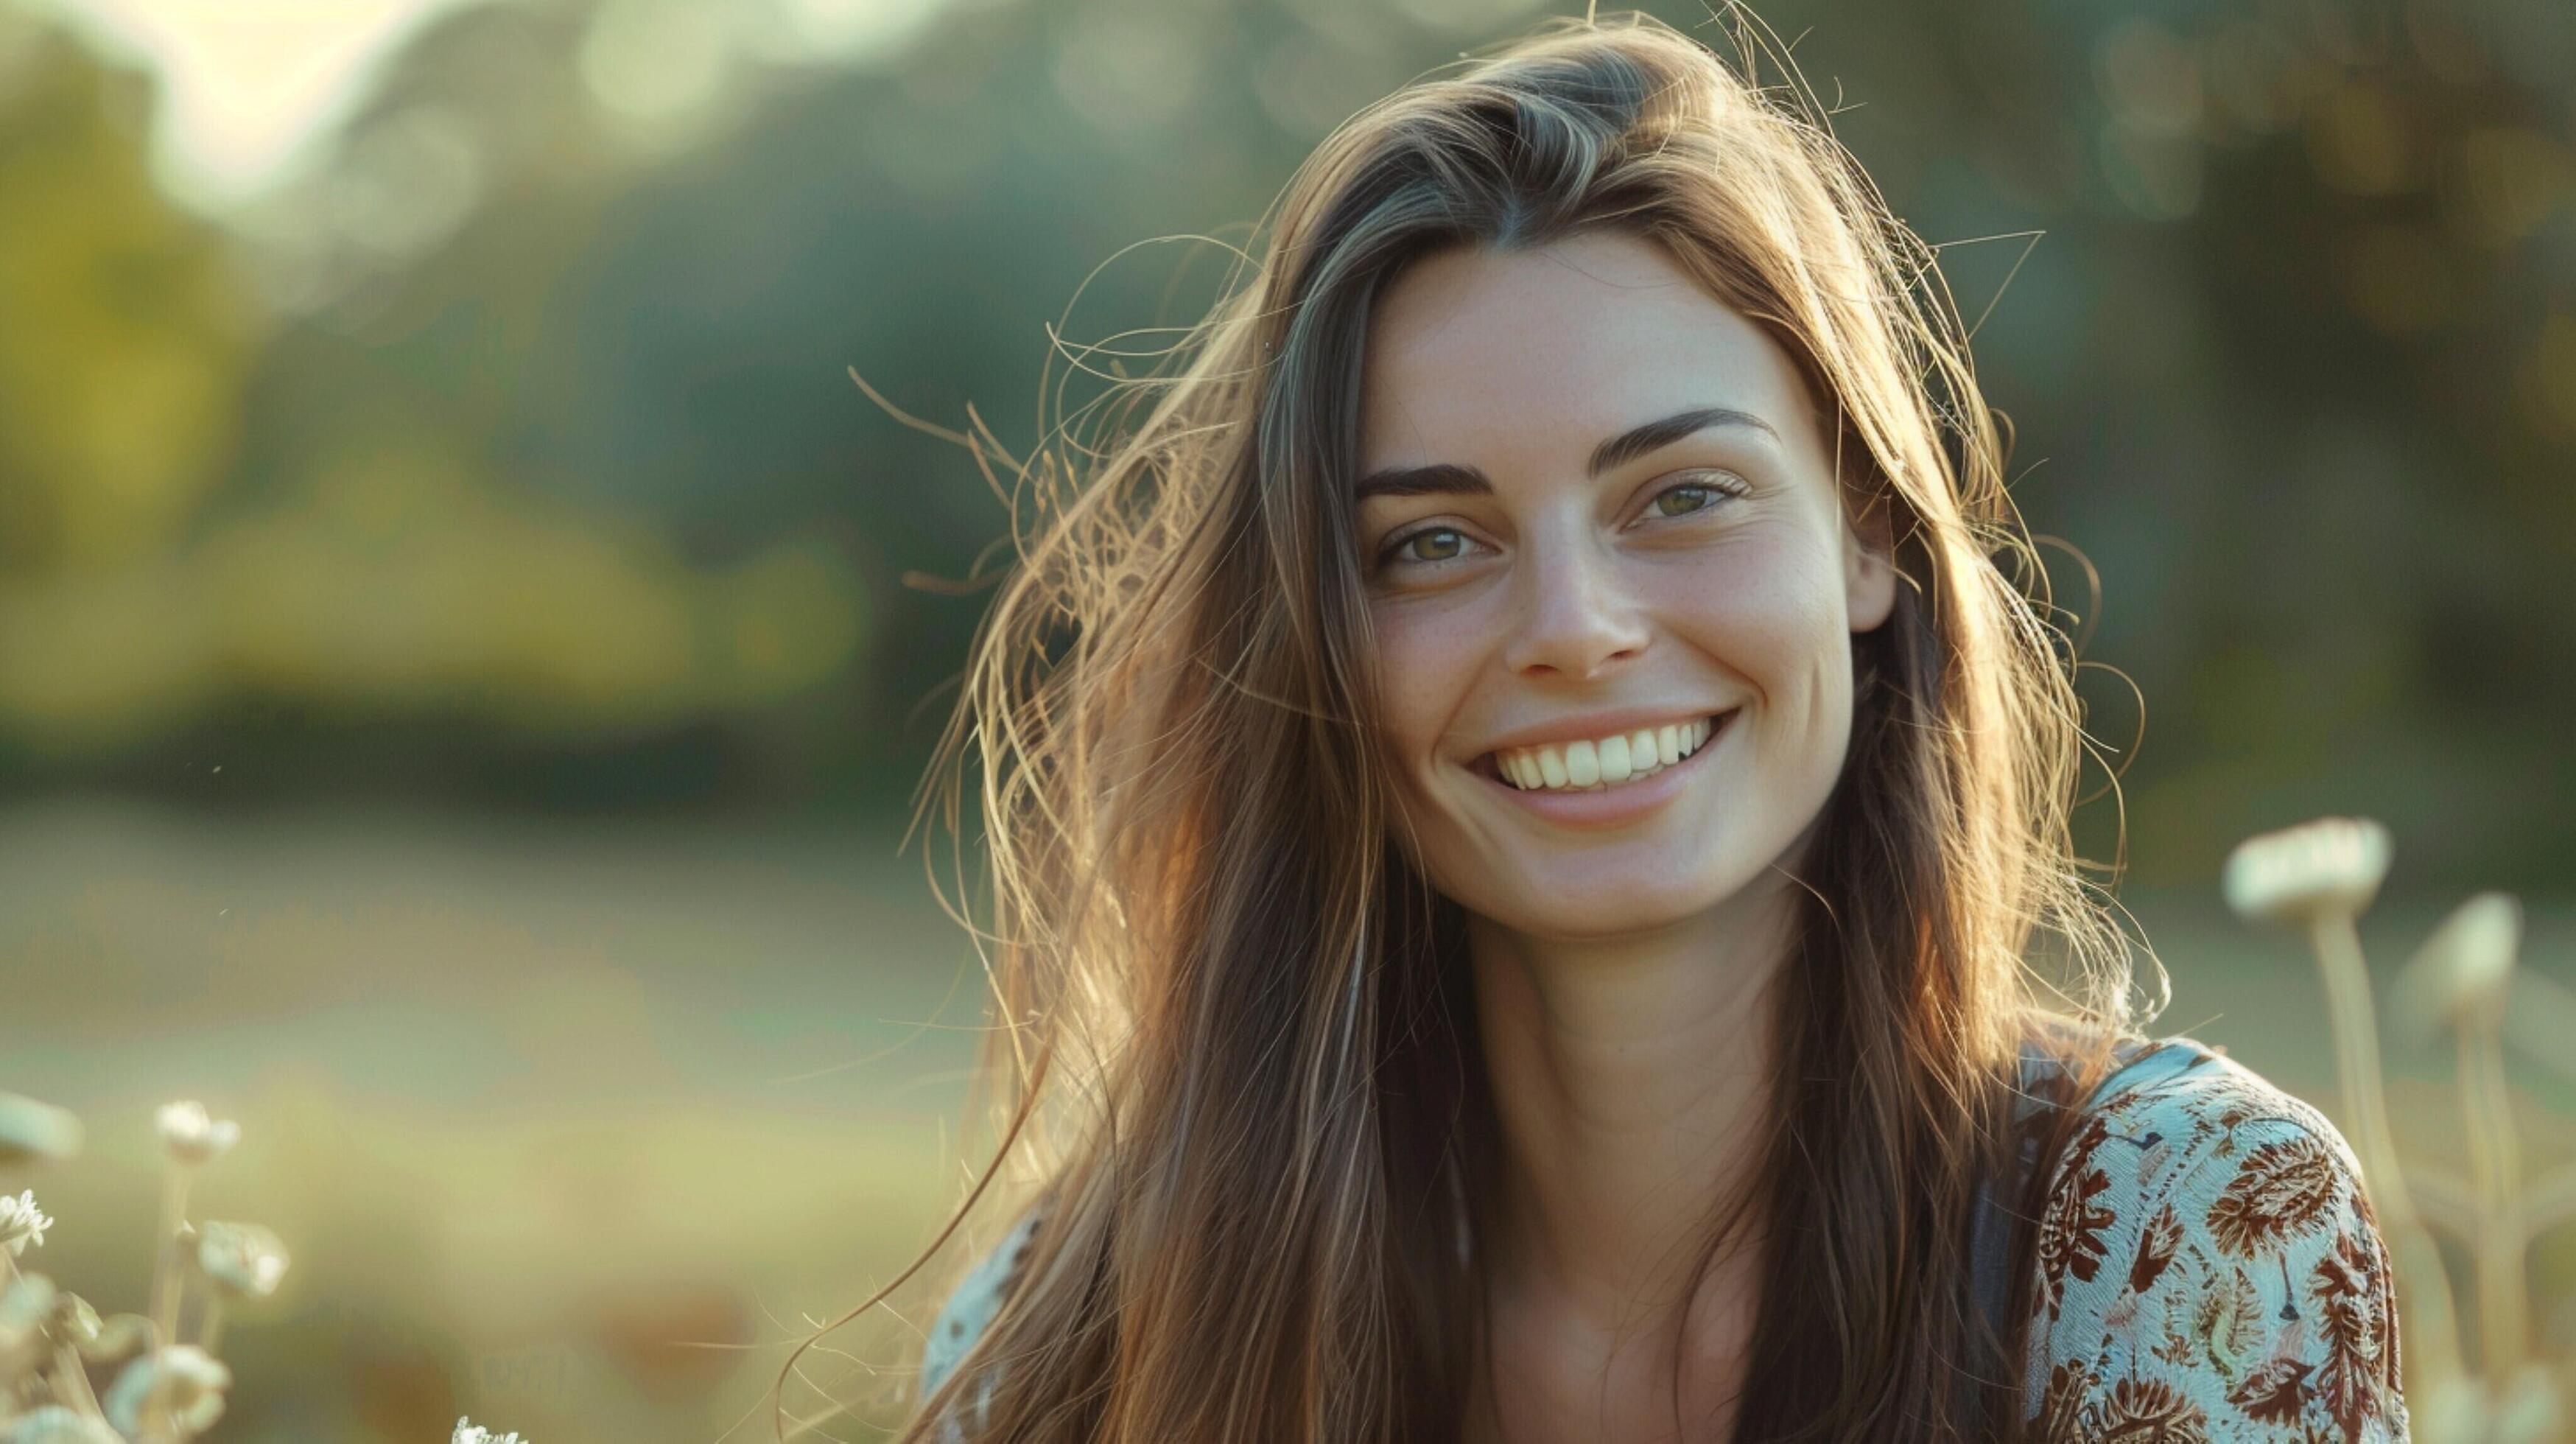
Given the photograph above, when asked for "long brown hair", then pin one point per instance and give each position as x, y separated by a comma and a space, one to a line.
1233, 1060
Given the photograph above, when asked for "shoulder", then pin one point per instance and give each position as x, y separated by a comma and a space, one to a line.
2209, 1266
972, 1304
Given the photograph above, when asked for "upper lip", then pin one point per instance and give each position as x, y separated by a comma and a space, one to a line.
1595, 725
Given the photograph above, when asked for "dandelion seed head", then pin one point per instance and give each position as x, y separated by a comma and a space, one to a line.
2464, 970
24, 1307
183, 1383
31, 1131
2529, 1411
54, 1424
2332, 865
469, 1433
243, 1260
191, 1137
21, 1222
73, 1321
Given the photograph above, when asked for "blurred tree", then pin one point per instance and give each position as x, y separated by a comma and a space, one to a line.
551, 467
125, 328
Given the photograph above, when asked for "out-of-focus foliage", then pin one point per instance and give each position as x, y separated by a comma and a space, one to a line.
512, 453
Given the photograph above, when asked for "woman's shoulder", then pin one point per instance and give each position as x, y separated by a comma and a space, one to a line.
2208, 1264
972, 1304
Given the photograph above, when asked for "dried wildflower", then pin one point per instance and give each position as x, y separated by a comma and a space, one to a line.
181, 1384
26, 1305
2332, 865
243, 1260
467, 1433
117, 1336
193, 1139
21, 1222
72, 1320
32, 1131
2528, 1411
54, 1424
2465, 968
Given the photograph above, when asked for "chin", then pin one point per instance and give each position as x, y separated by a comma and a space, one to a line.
1591, 909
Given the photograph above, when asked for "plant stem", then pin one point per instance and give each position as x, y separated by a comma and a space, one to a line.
2434, 1333
71, 1382
165, 1260
211, 1327
2503, 1311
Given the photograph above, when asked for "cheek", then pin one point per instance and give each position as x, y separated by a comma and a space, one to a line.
1770, 610
1427, 655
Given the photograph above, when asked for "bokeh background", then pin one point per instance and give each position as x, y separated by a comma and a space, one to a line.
460, 693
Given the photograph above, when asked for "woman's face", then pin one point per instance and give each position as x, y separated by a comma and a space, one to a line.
1595, 505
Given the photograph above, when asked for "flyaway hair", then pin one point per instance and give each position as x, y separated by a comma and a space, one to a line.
1234, 1063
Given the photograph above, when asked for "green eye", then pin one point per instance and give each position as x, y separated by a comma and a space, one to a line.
1434, 544
1692, 496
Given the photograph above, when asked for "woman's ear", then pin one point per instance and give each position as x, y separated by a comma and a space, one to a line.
1869, 567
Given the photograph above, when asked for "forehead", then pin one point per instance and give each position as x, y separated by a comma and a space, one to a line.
1546, 351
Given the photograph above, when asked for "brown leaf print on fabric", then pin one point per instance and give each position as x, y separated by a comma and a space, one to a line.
2345, 1286
2280, 1191
2228, 1319
2156, 1245
2061, 1410
2275, 1393
2070, 1235
2247, 1295
2150, 1409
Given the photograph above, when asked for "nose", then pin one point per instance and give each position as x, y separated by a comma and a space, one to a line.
1576, 619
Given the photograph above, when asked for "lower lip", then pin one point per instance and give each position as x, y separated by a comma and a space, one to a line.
1614, 806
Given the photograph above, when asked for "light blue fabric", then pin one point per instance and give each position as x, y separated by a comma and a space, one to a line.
971, 1306
2209, 1267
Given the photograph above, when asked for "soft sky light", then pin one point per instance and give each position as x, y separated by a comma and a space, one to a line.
246, 82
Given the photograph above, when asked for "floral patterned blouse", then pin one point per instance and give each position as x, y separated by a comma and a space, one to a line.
2208, 1271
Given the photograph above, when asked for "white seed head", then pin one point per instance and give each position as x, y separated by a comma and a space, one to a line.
192, 1138
2465, 969
468, 1433
119, 1337
2332, 865
2454, 1407
184, 1385
25, 1307
54, 1424
72, 1321
243, 1260
32, 1131
21, 1222
2528, 1410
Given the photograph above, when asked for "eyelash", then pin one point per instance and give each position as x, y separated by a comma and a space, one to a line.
1720, 486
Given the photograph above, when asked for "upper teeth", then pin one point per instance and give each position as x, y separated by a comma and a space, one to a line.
1593, 765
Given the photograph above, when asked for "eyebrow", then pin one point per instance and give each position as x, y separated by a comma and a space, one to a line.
1449, 478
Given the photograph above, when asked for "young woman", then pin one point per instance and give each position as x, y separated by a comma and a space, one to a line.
1531, 886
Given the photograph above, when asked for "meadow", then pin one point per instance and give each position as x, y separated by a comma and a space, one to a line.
570, 1126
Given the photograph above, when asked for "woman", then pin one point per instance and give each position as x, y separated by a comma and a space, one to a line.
1522, 808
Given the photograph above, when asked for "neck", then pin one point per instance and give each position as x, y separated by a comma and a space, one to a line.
1631, 1082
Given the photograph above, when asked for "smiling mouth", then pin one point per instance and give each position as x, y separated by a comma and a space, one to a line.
1600, 764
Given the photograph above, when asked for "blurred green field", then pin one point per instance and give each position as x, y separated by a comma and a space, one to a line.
524, 1101
533, 1103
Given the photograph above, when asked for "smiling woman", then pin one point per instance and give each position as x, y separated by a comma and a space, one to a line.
1530, 862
